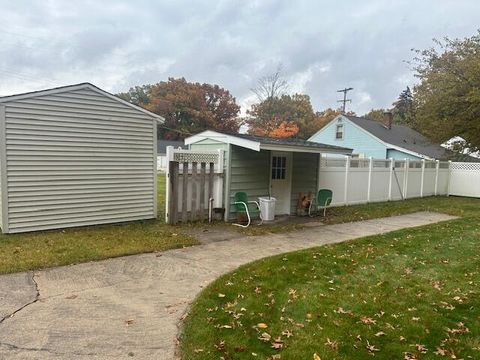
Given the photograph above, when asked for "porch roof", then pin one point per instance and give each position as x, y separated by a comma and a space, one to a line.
258, 143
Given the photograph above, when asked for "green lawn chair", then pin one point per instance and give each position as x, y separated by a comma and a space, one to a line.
246, 208
322, 200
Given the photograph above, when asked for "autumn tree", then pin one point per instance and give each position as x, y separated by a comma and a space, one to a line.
270, 114
447, 98
375, 114
138, 95
271, 86
403, 110
188, 108
323, 117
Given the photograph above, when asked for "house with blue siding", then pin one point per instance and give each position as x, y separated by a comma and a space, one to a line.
378, 139
262, 166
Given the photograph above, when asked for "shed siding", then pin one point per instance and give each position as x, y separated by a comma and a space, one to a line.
353, 137
209, 145
304, 177
78, 158
250, 172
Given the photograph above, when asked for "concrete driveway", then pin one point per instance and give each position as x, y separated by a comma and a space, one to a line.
131, 307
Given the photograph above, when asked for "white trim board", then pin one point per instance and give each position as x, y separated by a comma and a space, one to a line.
257, 145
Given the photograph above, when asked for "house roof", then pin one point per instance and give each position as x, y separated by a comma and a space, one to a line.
402, 137
162, 145
258, 143
73, 87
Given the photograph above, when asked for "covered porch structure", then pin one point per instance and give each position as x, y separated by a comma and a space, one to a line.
262, 166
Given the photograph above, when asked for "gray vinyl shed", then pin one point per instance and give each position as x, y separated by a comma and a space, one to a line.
74, 156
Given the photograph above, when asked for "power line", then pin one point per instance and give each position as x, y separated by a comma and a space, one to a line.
345, 100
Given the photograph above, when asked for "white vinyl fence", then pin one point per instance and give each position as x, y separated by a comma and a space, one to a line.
465, 179
162, 162
357, 181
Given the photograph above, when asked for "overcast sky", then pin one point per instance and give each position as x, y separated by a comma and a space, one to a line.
323, 45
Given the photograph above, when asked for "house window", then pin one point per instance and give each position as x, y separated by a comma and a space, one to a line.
339, 132
279, 167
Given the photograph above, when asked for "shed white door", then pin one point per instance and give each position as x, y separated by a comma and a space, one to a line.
281, 181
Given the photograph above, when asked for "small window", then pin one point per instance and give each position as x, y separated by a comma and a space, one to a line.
339, 132
279, 167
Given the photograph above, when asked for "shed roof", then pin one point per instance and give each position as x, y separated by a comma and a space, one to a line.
85, 85
162, 145
258, 143
401, 136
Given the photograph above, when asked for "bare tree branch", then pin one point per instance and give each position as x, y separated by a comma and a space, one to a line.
271, 86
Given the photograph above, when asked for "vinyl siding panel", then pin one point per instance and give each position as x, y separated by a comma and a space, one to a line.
77, 158
304, 176
400, 155
353, 137
250, 172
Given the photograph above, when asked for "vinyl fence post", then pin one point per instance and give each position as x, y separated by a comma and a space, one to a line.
422, 178
437, 167
449, 174
405, 182
168, 157
390, 180
370, 168
347, 170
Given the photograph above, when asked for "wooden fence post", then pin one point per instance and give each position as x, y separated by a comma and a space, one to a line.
202, 191
194, 192
173, 178
184, 191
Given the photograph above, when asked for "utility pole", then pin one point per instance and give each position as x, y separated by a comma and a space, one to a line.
345, 100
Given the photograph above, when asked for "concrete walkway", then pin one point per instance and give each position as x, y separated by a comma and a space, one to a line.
131, 307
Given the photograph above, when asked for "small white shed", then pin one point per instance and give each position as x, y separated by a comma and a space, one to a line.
73, 156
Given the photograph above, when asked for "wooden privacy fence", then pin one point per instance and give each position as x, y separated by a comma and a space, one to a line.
194, 184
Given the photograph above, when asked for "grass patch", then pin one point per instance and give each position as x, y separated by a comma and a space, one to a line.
452, 205
409, 294
29, 251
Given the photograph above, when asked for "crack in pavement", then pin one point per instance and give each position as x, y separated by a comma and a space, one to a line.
37, 296
50, 351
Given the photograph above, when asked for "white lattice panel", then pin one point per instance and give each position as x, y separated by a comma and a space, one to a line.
465, 166
190, 157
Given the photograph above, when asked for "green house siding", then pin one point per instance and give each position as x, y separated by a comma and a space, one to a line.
304, 177
249, 172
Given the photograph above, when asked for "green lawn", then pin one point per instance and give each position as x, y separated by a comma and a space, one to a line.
19, 252
410, 294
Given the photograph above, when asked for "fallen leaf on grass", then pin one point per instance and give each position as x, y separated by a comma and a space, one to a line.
332, 344
262, 326
380, 333
129, 322
287, 333
371, 348
367, 321
316, 357
221, 295
197, 351
277, 343
265, 337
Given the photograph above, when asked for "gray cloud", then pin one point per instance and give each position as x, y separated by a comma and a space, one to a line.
323, 45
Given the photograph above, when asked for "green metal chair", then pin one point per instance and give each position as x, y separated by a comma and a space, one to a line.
246, 207
322, 200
